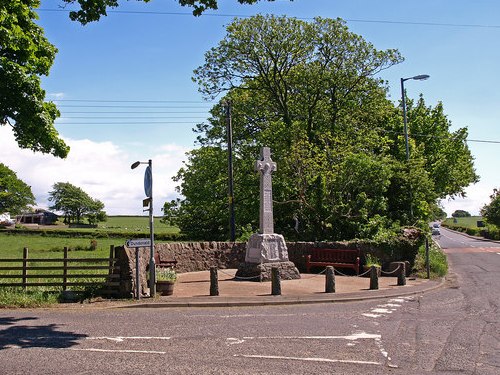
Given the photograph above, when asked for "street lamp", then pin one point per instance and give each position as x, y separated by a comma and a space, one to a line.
148, 189
420, 77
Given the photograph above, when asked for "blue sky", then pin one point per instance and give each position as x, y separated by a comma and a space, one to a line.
136, 66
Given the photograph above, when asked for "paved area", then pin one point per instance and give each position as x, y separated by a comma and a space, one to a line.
193, 289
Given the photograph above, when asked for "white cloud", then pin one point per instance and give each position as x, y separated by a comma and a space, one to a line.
477, 196
101, 169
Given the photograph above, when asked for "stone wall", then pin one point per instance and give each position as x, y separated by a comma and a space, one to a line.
200, 256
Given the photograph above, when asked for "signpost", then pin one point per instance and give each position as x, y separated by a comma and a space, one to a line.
148, 190
137, 243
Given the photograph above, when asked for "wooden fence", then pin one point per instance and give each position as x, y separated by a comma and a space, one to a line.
66, 272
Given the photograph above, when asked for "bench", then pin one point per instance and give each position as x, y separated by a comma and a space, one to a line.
164, 263
341, 258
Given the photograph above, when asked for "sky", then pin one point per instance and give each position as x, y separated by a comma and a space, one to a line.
124, 89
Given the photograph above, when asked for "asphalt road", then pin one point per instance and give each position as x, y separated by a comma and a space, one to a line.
453, 330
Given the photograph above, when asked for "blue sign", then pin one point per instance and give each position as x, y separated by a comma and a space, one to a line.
148, 182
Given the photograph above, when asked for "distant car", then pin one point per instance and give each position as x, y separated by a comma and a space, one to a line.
435, 225
436, 231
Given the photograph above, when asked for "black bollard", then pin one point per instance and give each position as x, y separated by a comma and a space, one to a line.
402, 274
373, 278
275, 282
330, 280
214, 282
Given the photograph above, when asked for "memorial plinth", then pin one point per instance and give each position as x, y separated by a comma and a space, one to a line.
266, 250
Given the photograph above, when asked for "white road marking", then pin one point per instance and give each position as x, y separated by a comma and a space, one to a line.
354, 336
232, 341
382, 311
372, 315
310, 359
123, 338
116, 351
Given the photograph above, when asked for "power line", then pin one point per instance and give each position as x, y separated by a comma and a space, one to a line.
132, 101
124, 106
410, 23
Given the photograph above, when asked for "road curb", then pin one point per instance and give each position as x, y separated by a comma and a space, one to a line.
284, 300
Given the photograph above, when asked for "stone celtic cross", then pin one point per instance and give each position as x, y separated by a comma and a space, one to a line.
266, 166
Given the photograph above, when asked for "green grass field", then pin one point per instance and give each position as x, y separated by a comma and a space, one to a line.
123, 224
11, 245
469, 222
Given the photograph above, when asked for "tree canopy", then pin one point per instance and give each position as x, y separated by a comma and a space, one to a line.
15, 195
76, 204
25, 55
90, 11
460, 213
491, 211
310, 92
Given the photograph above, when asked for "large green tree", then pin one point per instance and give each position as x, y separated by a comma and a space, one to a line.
309, 90
25, 55
75, 204
15, 195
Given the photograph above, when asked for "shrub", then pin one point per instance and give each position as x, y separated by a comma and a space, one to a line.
437, 260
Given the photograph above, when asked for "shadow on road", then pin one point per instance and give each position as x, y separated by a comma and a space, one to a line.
17, 336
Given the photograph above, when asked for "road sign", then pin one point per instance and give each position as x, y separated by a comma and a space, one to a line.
138, 242
148, 182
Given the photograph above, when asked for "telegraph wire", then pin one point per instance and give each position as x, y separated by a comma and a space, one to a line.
389, 22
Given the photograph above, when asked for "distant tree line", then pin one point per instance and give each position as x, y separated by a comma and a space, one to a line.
16, 197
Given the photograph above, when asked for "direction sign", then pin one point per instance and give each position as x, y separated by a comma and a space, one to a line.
138, 242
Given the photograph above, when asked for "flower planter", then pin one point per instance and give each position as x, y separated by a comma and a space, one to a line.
165, 288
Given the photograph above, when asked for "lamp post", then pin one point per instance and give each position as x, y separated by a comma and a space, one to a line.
420, 77
148, 189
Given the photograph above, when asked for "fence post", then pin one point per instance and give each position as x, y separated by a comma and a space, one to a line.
214, 282
373, 277
65, 269
402, 274
137, 274
330, 280
25, 267
275, 281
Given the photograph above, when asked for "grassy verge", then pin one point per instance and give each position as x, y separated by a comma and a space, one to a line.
437, 260
35, 297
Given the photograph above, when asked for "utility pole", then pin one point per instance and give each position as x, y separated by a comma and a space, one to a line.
229, 130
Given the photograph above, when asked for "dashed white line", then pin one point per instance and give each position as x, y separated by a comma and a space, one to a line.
116, 351
309, 359
123, 338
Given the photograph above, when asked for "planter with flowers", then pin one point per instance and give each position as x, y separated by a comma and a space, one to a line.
165, 280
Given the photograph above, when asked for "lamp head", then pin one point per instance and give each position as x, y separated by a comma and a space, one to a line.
421, 77
135, 165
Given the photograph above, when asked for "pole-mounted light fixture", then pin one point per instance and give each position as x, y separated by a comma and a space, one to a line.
420, 77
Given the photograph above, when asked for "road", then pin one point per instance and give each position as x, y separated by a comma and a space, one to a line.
453, 330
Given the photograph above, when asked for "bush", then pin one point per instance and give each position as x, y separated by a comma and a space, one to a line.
437, 260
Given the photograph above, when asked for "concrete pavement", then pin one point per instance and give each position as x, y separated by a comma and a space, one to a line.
193, 290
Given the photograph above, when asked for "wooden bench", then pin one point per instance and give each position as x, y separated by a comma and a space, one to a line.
164, 263
341, 258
